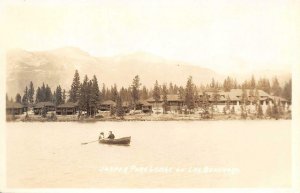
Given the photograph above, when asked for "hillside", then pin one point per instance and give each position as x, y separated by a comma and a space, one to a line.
58, 66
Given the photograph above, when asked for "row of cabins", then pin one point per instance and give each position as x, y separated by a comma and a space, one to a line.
174, 103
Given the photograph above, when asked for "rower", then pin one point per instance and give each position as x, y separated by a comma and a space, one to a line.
111, 135
101, 136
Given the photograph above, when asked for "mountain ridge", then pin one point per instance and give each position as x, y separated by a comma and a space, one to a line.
57, 67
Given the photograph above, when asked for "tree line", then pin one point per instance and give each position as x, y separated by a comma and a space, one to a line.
88, 93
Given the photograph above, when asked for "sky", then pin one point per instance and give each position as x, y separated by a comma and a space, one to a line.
228, 36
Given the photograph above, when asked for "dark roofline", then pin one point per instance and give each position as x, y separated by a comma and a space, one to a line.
68, 104
42, 104
14, 105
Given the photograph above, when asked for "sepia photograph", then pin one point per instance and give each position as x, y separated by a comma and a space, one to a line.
120, 94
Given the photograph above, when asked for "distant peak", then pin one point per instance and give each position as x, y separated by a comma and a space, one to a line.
70, 49
141, 55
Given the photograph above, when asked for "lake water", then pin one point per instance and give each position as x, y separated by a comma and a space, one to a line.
162, 154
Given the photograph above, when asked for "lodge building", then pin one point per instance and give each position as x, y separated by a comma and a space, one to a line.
233, 97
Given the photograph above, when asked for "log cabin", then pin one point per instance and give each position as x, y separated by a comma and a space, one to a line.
13, 108
68, 108
37, 108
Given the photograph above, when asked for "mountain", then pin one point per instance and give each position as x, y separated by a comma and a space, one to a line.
58, 66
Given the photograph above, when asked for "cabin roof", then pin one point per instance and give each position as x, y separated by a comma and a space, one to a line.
170, 97
239, 92
144, 103
277, 98
43, 104
68, 105
14, 105
108, 102
231, 96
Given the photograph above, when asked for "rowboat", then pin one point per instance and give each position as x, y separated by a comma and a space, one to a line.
119, 141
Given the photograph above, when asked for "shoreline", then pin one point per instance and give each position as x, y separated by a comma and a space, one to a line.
128, 118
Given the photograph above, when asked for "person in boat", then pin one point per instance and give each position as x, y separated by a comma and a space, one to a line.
101, 136
111, 135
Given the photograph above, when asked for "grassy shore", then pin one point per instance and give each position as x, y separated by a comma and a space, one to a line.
135, 117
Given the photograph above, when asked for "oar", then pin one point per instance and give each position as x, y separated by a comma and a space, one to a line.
88, 142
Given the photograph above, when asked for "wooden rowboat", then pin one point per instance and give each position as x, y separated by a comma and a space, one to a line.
120, 141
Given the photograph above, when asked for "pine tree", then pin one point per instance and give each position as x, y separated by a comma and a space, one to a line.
48, 93
64, 96
128, 96
144, 94
267, 86
94, 95
196, 97
165, 98
205, 106
276, 89
114, 93
171, 88
287, 91
38, 95
228, 84
74, 93
123, 94
91, 99
43, 93
252, 83
119, 109
18, 98
215, 98
84, 95
246, 85
58, 96
54, 98
25, 97
31, 93
7, 100
181, 92
103, 93
96, 90
156, 93
108, 94
189, 94
176, 89
91, 104
235, 85
135, 90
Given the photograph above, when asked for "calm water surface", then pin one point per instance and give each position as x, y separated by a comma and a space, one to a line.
50, 155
